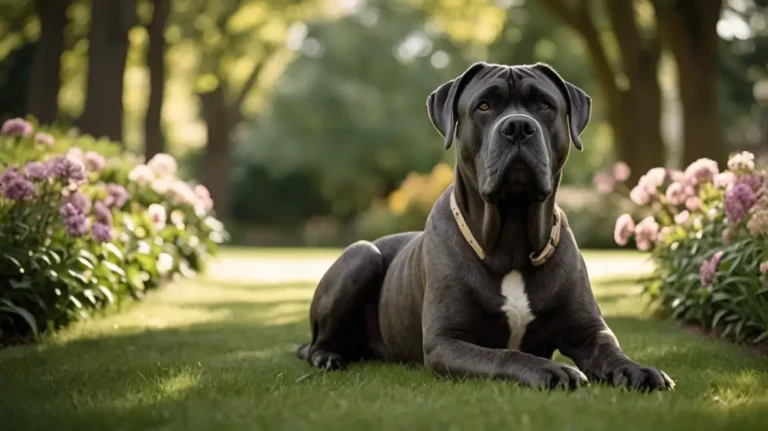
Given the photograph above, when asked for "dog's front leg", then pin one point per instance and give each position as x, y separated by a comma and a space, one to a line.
447, 324
593, 347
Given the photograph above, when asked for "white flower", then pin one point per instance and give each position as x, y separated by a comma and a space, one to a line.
141, 175
164, 263
158, 216
162, 185
163, 165
742, 162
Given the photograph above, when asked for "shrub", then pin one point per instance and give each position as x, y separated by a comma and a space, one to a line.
80, 232
706, 231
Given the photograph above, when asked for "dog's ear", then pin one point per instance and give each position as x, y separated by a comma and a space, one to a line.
579, 103
441, 103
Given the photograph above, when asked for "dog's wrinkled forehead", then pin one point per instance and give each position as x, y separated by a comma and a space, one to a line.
510, 84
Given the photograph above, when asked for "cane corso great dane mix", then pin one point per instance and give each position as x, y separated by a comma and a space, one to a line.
495, 282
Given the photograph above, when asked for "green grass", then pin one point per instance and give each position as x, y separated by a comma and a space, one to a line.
215, 354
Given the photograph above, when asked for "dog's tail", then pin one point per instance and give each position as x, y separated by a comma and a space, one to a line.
303, 351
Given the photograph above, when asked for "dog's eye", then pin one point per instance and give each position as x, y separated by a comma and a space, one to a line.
484, 106
543, 106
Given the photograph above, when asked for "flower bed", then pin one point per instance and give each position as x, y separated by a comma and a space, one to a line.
84, 227
707, 232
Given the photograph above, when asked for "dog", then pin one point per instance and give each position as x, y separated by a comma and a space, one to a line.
495, 283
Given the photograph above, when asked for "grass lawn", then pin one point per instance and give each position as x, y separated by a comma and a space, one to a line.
218, 353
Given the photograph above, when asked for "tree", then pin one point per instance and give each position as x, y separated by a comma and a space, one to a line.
108, 49
45, 77
629, 84
227, 34
154, 139
689, 28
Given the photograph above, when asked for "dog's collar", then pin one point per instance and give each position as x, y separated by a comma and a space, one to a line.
537, 259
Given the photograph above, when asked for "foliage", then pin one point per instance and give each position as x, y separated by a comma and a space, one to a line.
84, 227
707, 232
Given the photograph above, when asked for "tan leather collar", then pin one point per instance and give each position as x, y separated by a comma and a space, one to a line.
537, 259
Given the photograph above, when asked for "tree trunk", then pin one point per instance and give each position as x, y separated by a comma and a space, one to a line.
690, 28
108, 50
217, 164
154, 140
45, 79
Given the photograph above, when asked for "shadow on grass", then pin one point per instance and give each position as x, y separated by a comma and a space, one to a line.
242, 372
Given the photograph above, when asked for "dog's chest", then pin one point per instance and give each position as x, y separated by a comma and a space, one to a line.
516, 307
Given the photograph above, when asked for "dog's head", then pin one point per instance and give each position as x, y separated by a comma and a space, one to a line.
512, 125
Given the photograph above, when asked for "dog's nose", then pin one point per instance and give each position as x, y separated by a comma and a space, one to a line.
518, 128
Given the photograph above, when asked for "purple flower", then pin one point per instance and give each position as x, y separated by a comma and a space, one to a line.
94, 161
102, 232
68, 210
624, 229
8, 175
68, 168
117, 196
17, 126
738, 200
36, 170
79, 201
708, 269
754, 181
103, 214
76, 225
45, 139
18, 189
701, 171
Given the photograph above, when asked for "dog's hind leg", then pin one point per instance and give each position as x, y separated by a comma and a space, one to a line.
337, 314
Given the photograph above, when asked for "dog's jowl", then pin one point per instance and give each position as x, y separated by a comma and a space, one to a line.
495, 282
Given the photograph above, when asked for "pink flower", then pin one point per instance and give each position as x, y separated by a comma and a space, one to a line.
724, 179
708, 269
654, 178
624, 229
682, 218
664, 233
141, 175
17, 127
158, 216
743, 162
677, 176
94, 161
764, 267
701, 171
646, 232
640, 196
676, 194
163, 165
693, 203
604, 182
45, 139
204, 196
621, 171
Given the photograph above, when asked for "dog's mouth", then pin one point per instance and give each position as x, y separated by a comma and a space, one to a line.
515, 179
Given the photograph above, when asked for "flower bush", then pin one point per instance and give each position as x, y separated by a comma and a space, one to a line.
707, 232
84, 227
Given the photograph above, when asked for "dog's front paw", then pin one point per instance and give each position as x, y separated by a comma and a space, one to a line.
554, 375
638, 377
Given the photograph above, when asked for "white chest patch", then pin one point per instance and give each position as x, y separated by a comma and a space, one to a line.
516, 307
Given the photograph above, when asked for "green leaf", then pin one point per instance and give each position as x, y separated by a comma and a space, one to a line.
78, 276
14, 261
75, 301
9, 307
25, 283
115, 251
88, 255
85, 262
135, 279
718, 316
760, 337
108, 294
88, 293
114, 268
